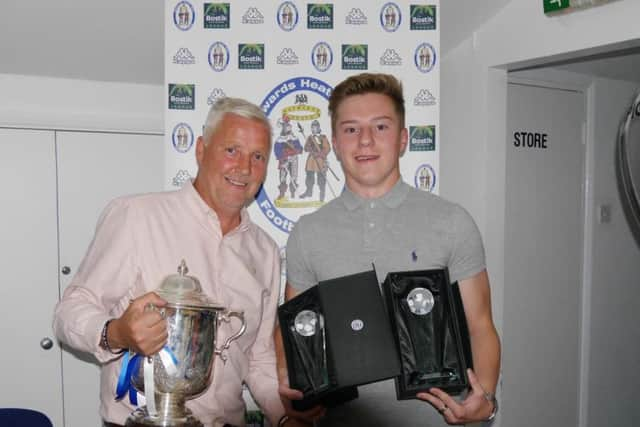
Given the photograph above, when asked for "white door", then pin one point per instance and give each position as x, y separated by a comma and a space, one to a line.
94, 168
29, 372
543, 256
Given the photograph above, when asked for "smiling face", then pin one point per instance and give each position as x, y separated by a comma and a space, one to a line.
232, 165
368, 140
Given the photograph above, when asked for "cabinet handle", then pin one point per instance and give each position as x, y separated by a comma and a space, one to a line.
46, 343
66, 270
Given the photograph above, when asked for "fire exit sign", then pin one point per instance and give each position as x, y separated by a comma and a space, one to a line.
552, 6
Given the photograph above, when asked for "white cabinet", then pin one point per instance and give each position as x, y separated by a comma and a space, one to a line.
56, 184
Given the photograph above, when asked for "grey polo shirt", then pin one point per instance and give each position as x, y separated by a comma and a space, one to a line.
405, 229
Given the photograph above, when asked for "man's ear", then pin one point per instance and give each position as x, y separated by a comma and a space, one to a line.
404, 138
199, 150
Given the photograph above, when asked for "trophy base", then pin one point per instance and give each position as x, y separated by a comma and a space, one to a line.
141, 418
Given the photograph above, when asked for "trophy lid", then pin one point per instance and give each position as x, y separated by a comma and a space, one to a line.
182, 289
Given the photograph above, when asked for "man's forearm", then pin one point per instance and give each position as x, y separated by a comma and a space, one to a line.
485, 346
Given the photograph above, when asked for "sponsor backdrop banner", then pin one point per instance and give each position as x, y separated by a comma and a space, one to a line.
286, 56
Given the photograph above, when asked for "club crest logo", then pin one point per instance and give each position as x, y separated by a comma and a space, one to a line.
182, 96
215, 95
184, 15
253, 16
287, 57
322, 56
424, 98
355, 56
390, 57
250, 56
218, 56
184, 57
425, 178
425, 57
217, 15
390, 17
355, 17
319, 16
303, 160
423, 17
422, 138
182, 137
287, 16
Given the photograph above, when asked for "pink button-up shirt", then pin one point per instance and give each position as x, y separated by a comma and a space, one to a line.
140, 240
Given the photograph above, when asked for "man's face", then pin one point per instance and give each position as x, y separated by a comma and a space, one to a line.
368, 141
233, 165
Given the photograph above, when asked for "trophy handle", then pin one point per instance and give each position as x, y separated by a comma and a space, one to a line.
225, 317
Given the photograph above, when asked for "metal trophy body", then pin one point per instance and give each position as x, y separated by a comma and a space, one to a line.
183, 369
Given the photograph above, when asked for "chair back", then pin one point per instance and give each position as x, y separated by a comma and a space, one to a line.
20, 417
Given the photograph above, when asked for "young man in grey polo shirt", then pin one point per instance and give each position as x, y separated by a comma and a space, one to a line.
380, 219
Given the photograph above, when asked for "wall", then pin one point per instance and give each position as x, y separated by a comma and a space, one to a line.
53, 103
473, 122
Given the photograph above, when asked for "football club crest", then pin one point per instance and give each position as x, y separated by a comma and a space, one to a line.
322, 56
287, 57
423, 17
215, 95
390, 57
287, 16
425, 178
319, 16
390, 17
184, 57
303, 161
253, 16
425, 57
250, 56
355, 17
423, 98
217, 15
422, 138
182, 137
355, 56
182, 96
218, 56
184, 15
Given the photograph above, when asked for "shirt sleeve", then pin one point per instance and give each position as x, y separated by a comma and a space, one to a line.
467, 257
262, 378
300, 275
103, 280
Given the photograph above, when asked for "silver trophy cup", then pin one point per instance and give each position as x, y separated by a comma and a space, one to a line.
184, 368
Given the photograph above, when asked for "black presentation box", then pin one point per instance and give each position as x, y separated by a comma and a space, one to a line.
430, 331
337, 336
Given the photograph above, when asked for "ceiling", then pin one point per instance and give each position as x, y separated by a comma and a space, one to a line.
123, 40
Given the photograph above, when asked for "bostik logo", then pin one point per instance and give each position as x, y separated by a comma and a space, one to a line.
422, 138
182, 96
217, 15
287, 16
354, 56
184, 15
320, 16
423, 17
390, 17
250, 56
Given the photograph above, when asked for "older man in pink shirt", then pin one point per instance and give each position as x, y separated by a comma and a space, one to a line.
141, 239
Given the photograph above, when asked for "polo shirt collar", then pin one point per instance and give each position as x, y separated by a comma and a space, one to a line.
194, 202
391, 198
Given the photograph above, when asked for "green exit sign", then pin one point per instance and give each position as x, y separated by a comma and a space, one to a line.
555, 5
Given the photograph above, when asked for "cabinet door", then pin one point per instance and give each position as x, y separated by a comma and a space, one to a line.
30, 374
94, 168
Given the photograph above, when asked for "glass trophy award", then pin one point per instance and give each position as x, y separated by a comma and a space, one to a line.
430, 331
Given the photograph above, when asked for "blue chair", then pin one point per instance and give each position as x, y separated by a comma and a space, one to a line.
18, 417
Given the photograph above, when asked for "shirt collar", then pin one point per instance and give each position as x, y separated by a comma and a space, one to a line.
391, 198
194, 201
